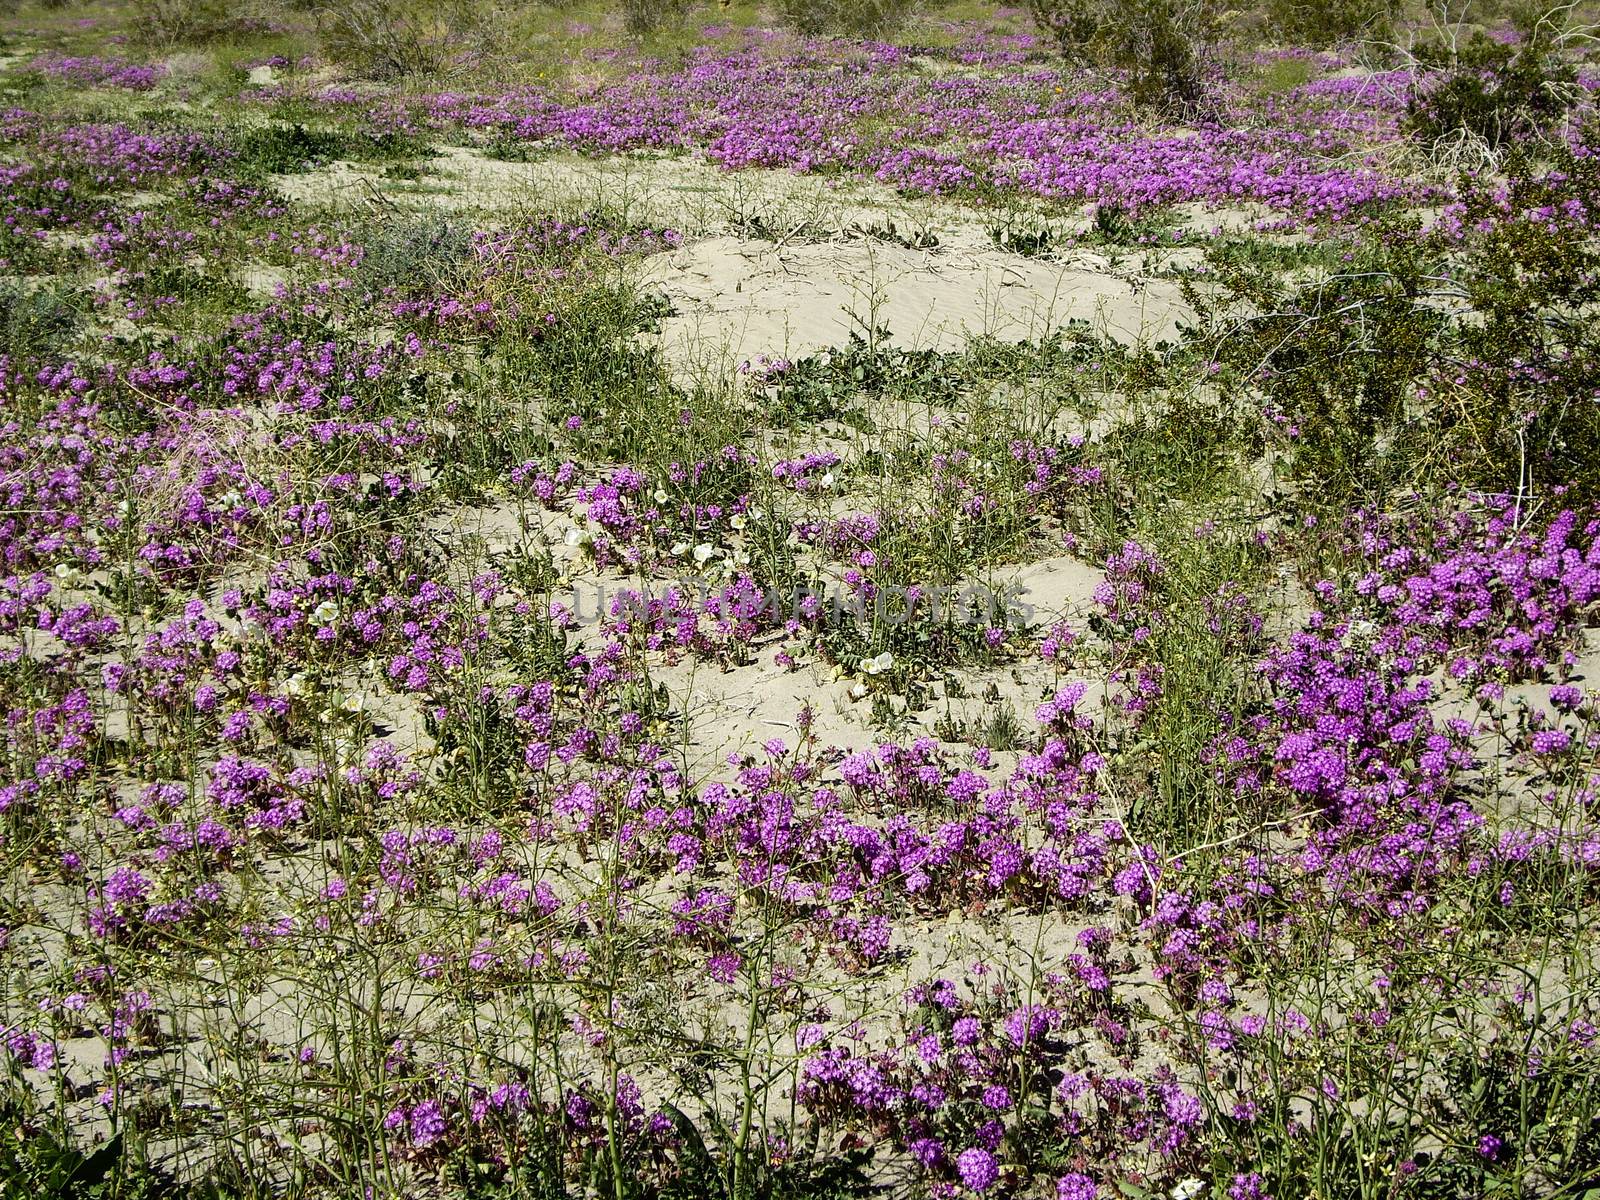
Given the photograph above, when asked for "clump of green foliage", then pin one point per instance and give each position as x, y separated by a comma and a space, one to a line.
1458, 353
1165, 46
1300, 23
168, 22
854, 17
1495, 92
387, 39
646, 16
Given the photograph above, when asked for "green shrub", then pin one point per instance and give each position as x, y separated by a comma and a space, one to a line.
414, 256
167, 22
1465, 357
1164, 45
37, 320
1497, 93
285, 149
289, 149
386, 39
646, 16
1301, 22
859, 18
1532, 280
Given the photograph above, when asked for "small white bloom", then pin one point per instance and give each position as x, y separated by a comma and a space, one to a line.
827, 480
738, 521
1187, 1189
325, 613
679, 549
755, 514
65, 571
858, 691
703, 553
295, 685
575, 536
883, 662
661, 495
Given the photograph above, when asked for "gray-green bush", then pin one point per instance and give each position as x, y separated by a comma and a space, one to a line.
386, 39
855, 17
1165, 46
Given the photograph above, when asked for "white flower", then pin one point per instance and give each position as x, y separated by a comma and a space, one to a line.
1187, 1189
827, 480
878, 665
858, 691
661, 495
738, 521
325, 613
579, 537
755, 514
679, 549
65, 571
703, 553
295, 685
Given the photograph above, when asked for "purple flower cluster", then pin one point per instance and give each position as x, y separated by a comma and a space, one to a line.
95, 70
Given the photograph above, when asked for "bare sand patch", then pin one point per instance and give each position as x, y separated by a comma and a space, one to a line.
741, 298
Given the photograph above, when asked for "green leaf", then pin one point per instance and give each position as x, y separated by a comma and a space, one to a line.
97, 1167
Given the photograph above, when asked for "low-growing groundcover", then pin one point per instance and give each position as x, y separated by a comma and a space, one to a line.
453, 747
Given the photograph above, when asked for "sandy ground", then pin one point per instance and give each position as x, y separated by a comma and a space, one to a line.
741, 298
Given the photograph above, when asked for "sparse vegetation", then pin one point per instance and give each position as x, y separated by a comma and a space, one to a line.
674, 601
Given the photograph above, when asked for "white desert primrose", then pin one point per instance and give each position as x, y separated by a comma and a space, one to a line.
878, 664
